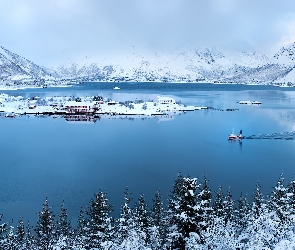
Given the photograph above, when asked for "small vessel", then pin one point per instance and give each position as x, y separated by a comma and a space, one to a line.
116, 87
233, 136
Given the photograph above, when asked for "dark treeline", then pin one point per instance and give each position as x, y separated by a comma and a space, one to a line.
194, 219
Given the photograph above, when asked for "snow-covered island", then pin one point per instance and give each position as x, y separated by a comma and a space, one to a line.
89, 108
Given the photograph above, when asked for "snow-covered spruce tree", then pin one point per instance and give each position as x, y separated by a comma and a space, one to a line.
280, 201
142, 218
157, 212
228, 207
20, 234
127, 235
204, 211
159, 227
63, 227
98, 221
204, 215
221, 234
82, 230
258, 202
3, 229
182, 212
64, 231
257, 234
45, 228
217, 226
242, 213
29, 241
258, 211
218, 203
9, 242
291, 195
273, 223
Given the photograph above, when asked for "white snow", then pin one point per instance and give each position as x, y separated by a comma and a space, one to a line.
56, 105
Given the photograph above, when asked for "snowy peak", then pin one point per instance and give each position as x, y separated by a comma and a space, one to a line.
15, 67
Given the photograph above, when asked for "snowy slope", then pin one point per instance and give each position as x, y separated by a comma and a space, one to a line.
286, 55
179, 65
203, 65
15, 69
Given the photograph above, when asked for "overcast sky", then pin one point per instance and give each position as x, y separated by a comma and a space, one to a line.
49, 32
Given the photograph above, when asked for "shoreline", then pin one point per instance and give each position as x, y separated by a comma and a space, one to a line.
12, 88
90, 107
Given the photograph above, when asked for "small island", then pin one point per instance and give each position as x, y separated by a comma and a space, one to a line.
90, 108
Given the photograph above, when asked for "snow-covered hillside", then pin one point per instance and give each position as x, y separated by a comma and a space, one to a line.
17, 71
203, 65
180, 65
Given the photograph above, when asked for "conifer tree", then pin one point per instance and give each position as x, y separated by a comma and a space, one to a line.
20, 234
63, 228
204, 211
158, 220
127, 236
228, 205
182, 211
142, 217
216, 234
45, 228
279, 201
98, 220
9, 242
63, 224
3, 229
82, 230
291, 195
125, 223
242, 213
81, 222
29, 238
218, 205
157, 212
257, 205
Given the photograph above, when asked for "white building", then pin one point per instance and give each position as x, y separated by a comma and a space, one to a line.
78, 107
165, 100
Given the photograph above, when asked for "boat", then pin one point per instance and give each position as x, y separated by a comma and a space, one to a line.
116, 87
233, 136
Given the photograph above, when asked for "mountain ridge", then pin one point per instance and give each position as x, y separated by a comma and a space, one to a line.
202, 65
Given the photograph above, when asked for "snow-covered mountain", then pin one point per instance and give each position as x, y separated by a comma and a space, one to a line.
16, 70
180, 65
204, 65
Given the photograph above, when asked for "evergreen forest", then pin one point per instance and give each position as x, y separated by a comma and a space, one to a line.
194, 218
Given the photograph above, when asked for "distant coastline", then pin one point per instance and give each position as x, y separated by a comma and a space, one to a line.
71, 84
191, 66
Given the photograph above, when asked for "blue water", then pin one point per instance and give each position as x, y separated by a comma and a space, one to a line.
46, 157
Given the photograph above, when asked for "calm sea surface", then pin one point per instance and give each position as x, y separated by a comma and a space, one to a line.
46, 157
